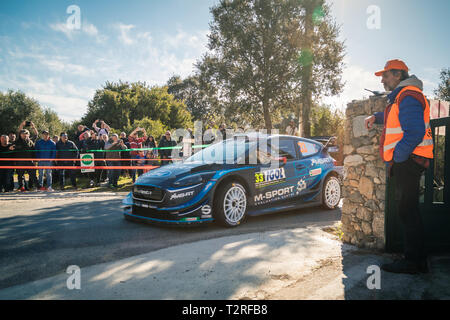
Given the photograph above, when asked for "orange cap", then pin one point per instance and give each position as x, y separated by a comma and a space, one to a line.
393, 64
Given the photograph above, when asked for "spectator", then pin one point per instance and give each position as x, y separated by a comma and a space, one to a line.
55, 172
12, 140
136, 143
104, 138
150, 143
101, 156
12, 137
5, 174
126, 154
223, 131
66, 149
141, 161
291, 129
211, 135
166, 142
81, 129
123, 136
148, 156
33, 128
24, 147
104, 128
32, 181
46, 149
91, 144
114, 144
103, 141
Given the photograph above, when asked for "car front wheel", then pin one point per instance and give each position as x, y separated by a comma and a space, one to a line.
230, 204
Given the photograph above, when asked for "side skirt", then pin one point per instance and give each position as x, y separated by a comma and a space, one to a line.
256, 211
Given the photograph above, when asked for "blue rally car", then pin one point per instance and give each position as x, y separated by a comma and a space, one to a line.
247, 175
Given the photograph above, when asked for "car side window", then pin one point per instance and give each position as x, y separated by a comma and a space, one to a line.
263, 154
307, 148
286, 148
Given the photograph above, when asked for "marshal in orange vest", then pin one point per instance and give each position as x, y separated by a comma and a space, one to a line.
394, 132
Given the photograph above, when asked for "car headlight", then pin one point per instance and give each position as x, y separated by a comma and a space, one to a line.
194, 179
128, 201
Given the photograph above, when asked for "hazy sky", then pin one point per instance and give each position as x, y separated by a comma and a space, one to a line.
151, 40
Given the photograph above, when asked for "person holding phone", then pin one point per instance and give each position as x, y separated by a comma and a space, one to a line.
104, 128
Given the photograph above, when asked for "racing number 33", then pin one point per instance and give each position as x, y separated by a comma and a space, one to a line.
270, 175
303, 148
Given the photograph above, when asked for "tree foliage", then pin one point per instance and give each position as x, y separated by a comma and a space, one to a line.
154, 128
325, 122
198, 96
443, 91
122, 104
258, 59
16, 107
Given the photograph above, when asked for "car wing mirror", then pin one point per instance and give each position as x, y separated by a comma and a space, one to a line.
282, 161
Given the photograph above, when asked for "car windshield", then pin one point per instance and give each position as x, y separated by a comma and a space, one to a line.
229, 151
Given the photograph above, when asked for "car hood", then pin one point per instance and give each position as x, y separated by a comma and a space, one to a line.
168, 174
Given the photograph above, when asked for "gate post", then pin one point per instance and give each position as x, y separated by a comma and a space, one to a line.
363, 221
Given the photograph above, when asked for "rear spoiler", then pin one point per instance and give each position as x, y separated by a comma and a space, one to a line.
329, 142
325, 140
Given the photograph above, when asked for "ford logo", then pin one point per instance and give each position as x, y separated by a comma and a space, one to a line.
146, 192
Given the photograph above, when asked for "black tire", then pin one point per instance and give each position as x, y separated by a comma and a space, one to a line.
331, 193
219, 211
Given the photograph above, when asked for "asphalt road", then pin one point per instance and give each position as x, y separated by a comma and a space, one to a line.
42, 234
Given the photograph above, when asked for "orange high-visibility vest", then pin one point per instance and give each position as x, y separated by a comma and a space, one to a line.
394, 132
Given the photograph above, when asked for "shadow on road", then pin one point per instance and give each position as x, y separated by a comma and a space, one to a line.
43, 240
241, 267
359, 282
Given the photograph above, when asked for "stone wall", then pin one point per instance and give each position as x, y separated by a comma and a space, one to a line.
365, 177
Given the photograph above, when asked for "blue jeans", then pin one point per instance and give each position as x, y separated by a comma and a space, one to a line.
113, 174
70, 173
133, 171
48, 173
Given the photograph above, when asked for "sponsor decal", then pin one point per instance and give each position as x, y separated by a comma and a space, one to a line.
315, 172
268, 177
181, 195
274, 195
189, 219
301, 185
315, 162
144, 205
206, 211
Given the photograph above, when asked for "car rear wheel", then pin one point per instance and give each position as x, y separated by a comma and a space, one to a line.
230, 204
331, 194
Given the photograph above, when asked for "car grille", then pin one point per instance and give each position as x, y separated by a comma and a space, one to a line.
152, 213
148, 193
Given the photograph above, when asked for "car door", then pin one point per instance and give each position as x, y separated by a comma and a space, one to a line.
275, 184
307, 172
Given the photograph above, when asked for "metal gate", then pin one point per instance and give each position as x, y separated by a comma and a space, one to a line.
434, 199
